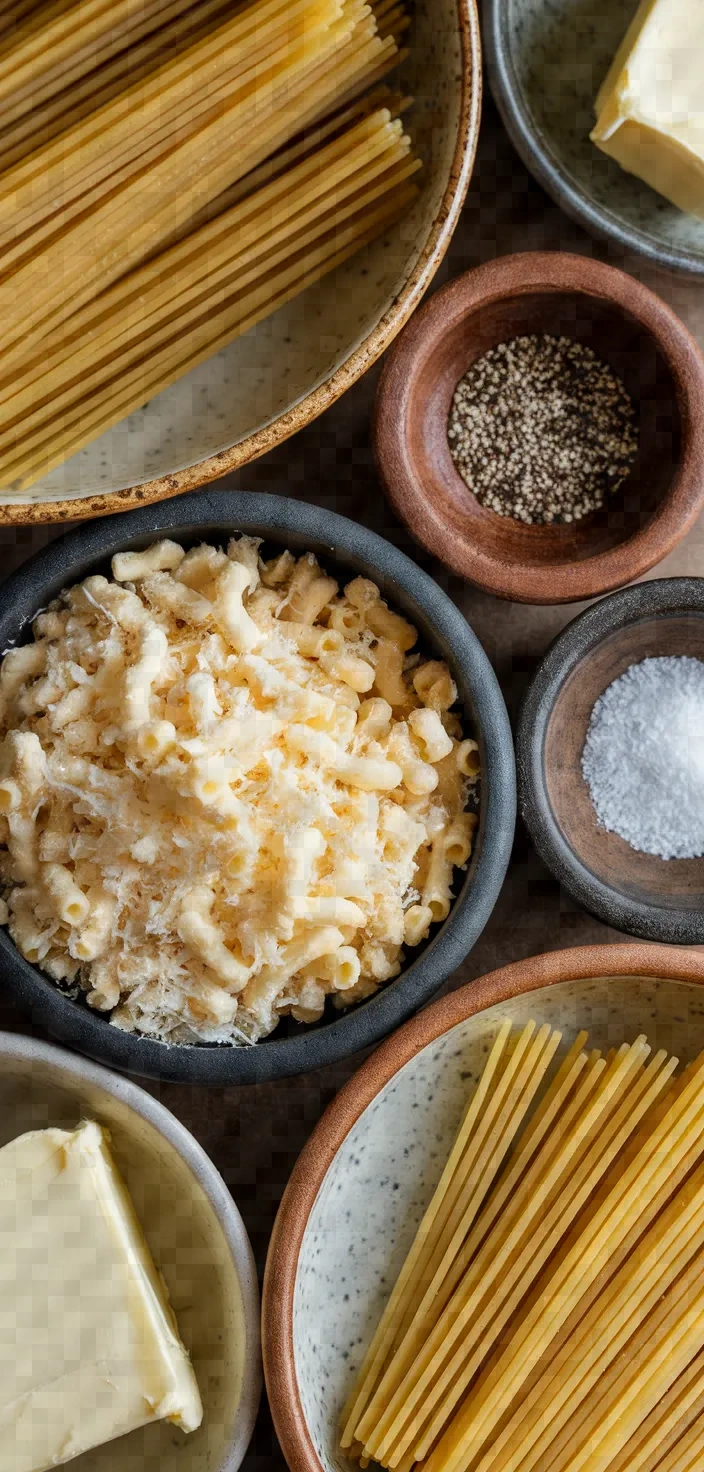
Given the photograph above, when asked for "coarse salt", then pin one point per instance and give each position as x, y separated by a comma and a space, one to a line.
643, 758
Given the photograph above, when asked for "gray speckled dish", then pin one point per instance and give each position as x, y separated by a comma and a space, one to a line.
195, 1233
658, 899
365, 1178
546, 60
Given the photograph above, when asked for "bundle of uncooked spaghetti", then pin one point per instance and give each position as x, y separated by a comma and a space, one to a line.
551, 1310
159, 198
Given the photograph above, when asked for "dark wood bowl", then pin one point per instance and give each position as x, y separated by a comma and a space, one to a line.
658, 899
642, 340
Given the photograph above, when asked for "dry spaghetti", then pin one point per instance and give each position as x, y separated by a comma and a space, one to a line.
551, 1311
179, 175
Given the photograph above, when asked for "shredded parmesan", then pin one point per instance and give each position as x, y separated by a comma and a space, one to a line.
230, 829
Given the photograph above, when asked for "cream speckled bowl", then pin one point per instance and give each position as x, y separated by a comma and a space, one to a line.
281, 374
362, 1183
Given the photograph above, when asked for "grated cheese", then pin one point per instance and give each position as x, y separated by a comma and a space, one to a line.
227, 804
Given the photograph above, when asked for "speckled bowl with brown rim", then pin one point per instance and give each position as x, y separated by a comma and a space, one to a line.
361, 1185
281, 374
626, 325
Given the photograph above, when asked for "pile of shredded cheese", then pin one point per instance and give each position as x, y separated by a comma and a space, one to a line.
228, 790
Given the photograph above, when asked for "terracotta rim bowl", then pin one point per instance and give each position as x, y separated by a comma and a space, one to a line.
658, 899
362, 354
645, 343
498, 987
341, 544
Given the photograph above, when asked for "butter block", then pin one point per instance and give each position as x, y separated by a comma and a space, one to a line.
650, 108
89, 1348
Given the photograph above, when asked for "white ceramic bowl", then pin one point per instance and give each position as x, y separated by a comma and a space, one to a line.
284, 372
196, 1236
361, 1186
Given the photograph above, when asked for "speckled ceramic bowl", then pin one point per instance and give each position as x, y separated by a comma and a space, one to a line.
345, 549
546, 60
366, 1175
284, 372
197, 1239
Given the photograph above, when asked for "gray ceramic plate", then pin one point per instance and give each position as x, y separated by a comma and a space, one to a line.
546, 60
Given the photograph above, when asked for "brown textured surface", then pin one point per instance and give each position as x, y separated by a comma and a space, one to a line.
255, 1134
634, 959
627, 326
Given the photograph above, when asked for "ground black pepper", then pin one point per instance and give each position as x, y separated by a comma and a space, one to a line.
542, 430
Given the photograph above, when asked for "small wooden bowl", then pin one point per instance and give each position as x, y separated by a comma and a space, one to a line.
658, 899
642, 340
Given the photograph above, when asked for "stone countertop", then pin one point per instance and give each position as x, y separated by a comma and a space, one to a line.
255, 1134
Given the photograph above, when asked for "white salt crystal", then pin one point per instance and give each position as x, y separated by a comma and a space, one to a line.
643, 757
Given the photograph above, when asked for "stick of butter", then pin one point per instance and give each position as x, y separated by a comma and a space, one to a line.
650, 108
88, 1345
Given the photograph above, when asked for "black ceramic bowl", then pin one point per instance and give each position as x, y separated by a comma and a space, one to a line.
340, 544
658, 899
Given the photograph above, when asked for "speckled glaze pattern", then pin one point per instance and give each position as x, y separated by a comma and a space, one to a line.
285, 371
365, 1217
374, 1192
349, 549
368, 1170
546, 60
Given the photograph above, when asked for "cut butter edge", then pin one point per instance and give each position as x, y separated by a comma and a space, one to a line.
89, 1347
650, 106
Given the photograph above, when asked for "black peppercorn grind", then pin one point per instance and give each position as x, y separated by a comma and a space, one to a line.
542, 430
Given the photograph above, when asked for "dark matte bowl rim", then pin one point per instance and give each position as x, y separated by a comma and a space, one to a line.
69, 558
674, 925
544, 164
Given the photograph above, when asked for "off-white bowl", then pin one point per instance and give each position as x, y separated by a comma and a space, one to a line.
363, 1182
196, 1236
284, 372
